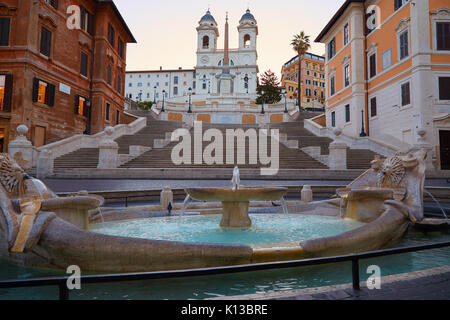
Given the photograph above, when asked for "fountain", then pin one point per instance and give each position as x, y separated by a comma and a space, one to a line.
41, 230
236, 200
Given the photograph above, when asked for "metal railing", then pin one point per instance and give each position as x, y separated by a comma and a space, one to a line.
61, 282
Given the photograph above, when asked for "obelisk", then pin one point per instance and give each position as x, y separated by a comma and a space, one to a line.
225, 80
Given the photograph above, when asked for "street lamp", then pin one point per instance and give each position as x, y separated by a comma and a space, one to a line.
262, 97
154, 95
285, 102
164, 95
363, 131
190, 94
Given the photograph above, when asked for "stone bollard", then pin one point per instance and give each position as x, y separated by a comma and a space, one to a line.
109, 149
166, 198
21, 149
337, 159
307, 194
45, 164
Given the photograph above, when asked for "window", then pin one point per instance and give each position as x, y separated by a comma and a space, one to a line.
443, 35
399, 3
140, 84
5, 92
333, 119
4, 31
308, 81
175, 91
372, 65
406, 96
86, 21
347, 75
205, 42
119, 83
175, 80
121, 48
43, 92
308, 92
387, 59
444, 88
247, 41
331, 48
373, 107
107, 110
84, 64
46, 42
109, 74
81, 108
347, 113
332, 85
117, 117
346, 34
404, 48
111, 35
53, 3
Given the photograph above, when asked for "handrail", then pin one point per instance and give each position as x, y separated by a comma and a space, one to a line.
61, 282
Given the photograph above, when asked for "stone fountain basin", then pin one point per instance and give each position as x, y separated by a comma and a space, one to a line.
236, 203
241, 195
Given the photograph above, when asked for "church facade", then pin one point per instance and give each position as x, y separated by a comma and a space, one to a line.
242, 61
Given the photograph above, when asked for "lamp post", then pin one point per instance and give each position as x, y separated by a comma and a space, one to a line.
154, 95
190, 95
285, 102
164, 96
262, 97
363, 131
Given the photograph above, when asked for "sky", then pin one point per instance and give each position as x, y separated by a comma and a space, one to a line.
166, 30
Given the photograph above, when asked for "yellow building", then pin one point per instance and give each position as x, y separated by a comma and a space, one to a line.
388, 72
313, 79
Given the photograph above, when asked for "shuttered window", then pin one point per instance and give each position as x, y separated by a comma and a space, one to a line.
373, 107
373, 65
107, 111
119, 83
84, 64
347, 113
43, 92
6, 84
333, 119
111, 35
81, 107
46, 41
332, 85
4, 31
87, 20
443, 35
399, 3
109, 74
444, 88
404, 46
406, 94
121, 48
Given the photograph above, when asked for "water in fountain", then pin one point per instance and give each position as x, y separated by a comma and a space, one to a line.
284, 205
434, 199
340, 208
236, 181
186, 203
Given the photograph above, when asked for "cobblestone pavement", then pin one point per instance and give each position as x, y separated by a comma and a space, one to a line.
433, 284
92, 185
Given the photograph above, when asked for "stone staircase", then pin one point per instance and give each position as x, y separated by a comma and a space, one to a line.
290, 158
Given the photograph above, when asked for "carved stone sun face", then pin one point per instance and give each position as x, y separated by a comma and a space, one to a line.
391, 172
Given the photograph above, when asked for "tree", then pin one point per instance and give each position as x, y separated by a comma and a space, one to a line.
271, 86
300, 44
145, 105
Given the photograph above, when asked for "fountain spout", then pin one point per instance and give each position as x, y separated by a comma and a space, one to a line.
236, 181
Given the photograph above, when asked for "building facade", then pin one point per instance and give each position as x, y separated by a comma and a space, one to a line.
313, 79
62, 67
242, 60
388, 72
152, 85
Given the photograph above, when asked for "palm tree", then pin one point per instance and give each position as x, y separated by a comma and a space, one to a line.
301, 45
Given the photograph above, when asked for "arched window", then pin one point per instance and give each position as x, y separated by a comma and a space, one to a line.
205, 42
247, 41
